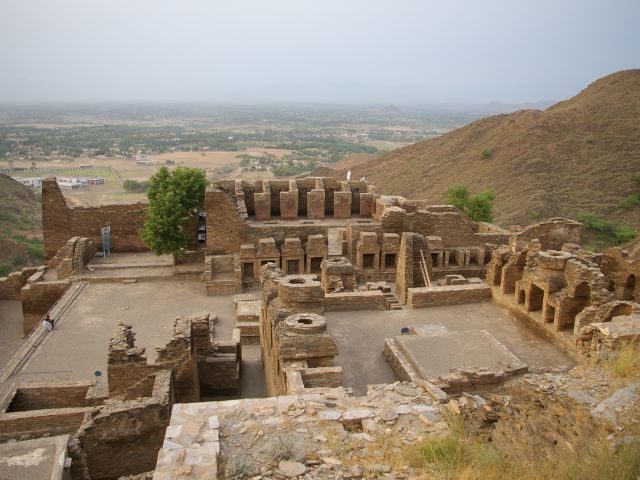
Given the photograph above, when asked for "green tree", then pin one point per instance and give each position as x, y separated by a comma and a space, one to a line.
175, 197
458, 196
479, 207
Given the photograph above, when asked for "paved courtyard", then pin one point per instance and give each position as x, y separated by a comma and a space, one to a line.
360, 338
78, 345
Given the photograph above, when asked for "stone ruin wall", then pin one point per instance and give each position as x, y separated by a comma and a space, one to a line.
294, 348
73, 257
11, 285
61, 222
566, 293
119, 430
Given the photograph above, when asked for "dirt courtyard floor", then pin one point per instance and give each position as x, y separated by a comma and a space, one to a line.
78, 346
360, 338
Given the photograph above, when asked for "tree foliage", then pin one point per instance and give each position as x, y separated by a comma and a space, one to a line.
175, 197
479, 207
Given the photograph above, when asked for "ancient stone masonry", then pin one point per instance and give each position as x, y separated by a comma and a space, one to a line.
292, 256
11, 285
73, 257
61, 222
475, 359
293, 332
222, 274
338, 275
622, 270
563, 292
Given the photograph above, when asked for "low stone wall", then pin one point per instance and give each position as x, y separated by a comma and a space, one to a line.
37, 298
449, 295
353, 301
11, 285
39, 396
40, 423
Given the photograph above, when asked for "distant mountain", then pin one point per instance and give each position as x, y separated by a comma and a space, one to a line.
391, 110
497, 107
20, 225
580, 155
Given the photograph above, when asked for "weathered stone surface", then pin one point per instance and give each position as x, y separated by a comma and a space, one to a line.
292, 469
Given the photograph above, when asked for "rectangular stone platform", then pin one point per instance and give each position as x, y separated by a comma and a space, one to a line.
452, 360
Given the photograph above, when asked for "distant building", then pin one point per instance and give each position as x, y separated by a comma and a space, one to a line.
146, 163
33, 182
69, 183
96, 181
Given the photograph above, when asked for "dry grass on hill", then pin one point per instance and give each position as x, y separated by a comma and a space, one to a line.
579, 155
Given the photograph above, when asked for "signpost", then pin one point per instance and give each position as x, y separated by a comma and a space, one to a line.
106, 241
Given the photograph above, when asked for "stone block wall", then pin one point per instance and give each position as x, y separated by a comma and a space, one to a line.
61, 222
40, 395
39, 423
289, 202
342, 204
449, 295
315, 204
11, 285
354, 301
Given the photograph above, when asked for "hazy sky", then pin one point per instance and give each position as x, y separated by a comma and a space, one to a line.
321, 50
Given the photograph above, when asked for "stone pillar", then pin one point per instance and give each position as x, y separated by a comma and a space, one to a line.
366, 204
262, 205
289, 204
315, 204
342, 204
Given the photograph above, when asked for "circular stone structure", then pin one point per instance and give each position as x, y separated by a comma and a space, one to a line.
306, 323
300, 289
553, 260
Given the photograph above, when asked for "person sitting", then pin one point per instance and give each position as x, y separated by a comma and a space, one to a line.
47, 325
50, 320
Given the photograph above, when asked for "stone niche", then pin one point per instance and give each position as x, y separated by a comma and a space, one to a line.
292, 256
268, 252
338, 275
317, 251
389, 252
368, 252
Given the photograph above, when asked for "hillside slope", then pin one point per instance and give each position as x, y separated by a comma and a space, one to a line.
20, 226
577, 156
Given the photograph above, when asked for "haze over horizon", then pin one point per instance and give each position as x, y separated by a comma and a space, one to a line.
301, 51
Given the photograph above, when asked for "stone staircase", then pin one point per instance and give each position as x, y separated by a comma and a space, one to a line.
391, 302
